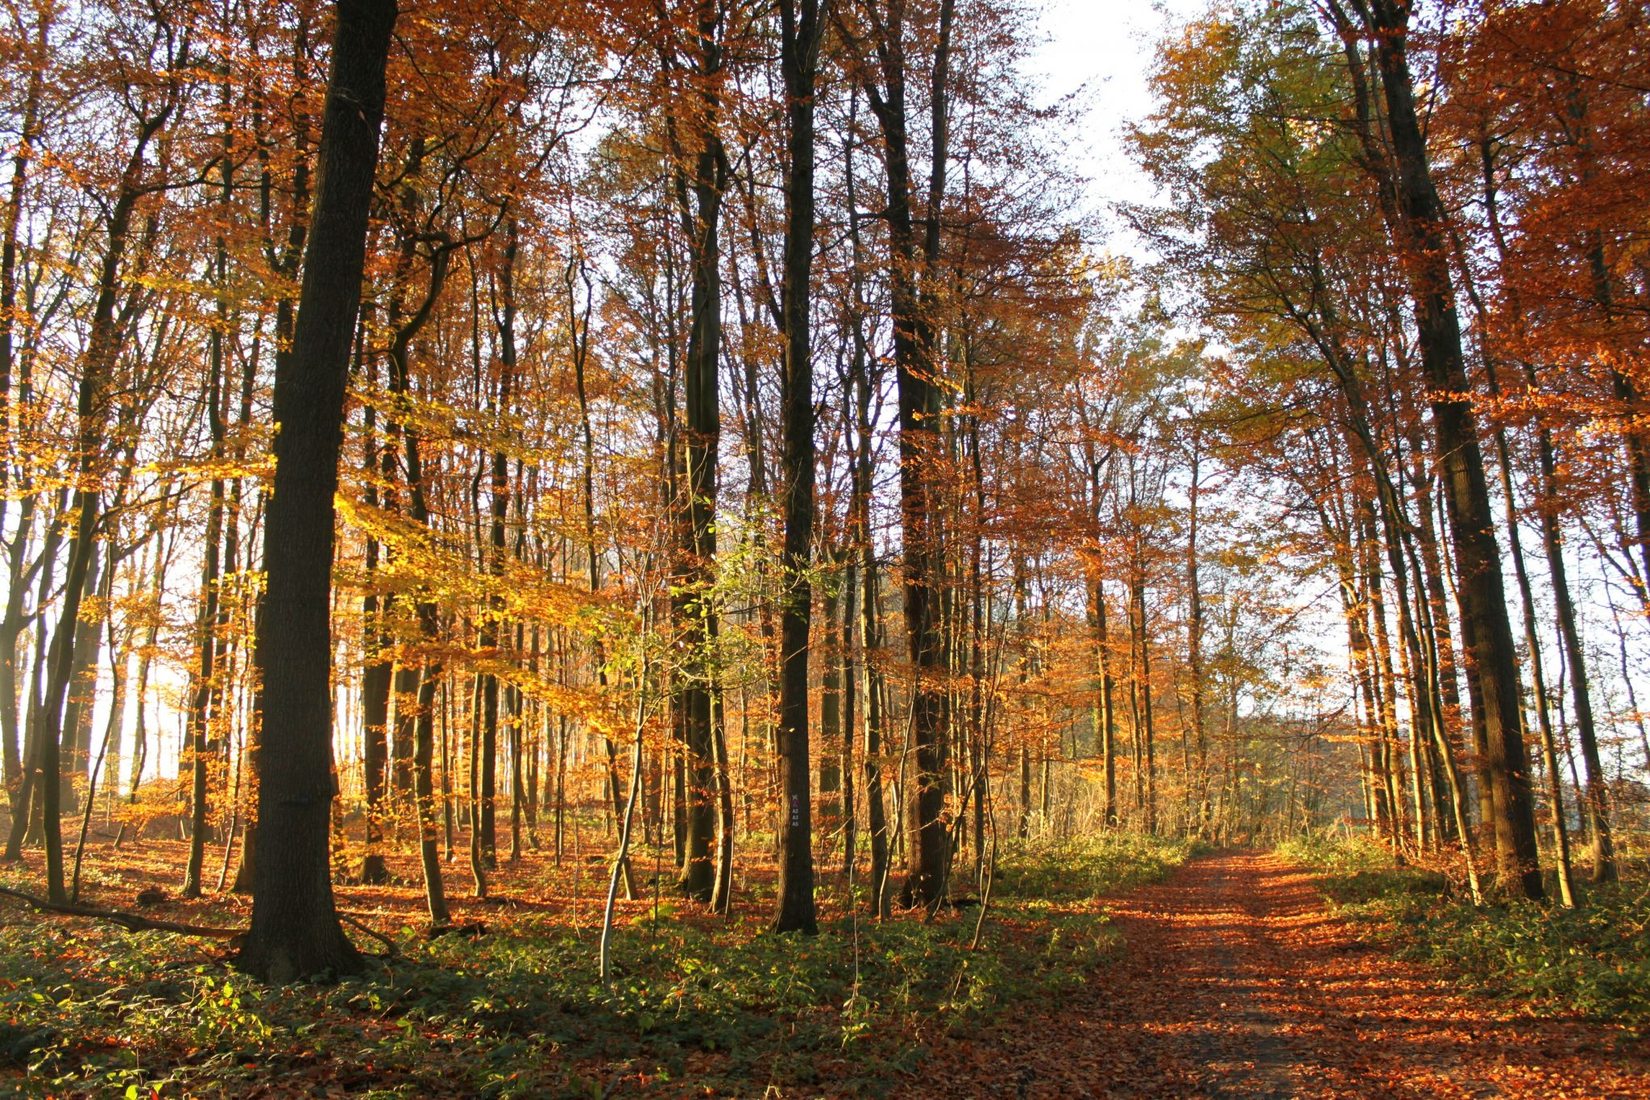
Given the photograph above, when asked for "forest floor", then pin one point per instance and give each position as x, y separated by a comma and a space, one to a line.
1109, 966
699, 1005
1235, 979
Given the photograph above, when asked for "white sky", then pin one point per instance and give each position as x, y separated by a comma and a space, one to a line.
1105, 49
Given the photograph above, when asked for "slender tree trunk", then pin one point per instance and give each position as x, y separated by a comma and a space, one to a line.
1480, 590
92, 414
830, 693
1386, 678
211, 621
697, 553
579, 327
1105, 701
376, 676
1594, 793
870, 685
14, 622
870, 635
800, 30
849, 679
1144, 680
1194, 641
435, 895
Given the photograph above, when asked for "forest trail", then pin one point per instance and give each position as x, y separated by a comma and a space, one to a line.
1236, 981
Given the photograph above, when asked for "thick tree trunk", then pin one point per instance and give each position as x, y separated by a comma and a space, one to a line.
1532, 638
701, 216
295, 930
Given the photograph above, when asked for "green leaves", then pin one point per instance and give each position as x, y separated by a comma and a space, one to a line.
1088, 866
718, 1003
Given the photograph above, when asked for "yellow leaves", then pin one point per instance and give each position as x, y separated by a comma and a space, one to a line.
425, 564
259, 467
438, 424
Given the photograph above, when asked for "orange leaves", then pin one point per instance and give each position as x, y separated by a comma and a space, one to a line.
1234, 981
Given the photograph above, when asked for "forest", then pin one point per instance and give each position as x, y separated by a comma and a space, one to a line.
672, 547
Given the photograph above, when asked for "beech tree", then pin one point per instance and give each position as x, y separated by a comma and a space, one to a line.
800, 32
708, 437
295, 930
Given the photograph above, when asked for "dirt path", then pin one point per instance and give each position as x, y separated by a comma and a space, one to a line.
1237, 982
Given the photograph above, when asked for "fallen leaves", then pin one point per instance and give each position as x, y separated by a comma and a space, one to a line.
1236, 982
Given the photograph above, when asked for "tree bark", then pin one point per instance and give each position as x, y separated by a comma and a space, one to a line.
701, 216
912, 308
295, 930
1481, 594
800, 29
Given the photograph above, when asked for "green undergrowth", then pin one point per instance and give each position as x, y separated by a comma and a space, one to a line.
1088, 866
696, 1004
1593, 960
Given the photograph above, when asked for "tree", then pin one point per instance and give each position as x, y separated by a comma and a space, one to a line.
701, 176
915, 256
800, 31
1420, 229
295, 930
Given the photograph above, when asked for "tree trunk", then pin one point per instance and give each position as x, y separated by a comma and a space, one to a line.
212, 619
15, 622
912, 303
92, 413
435, 896
699, 196
848, 677
376, 676
799, 61
1532, 637
1194, 641
1480, 590
295, 930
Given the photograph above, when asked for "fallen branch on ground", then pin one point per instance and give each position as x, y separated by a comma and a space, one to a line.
132, 922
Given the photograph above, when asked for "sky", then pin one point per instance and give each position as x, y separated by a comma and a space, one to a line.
1105, 49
